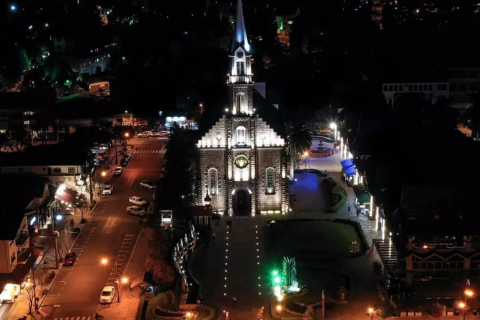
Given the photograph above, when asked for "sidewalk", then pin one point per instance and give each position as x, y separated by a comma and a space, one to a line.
128, 307
46, 271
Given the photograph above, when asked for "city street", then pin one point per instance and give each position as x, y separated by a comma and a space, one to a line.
109, 234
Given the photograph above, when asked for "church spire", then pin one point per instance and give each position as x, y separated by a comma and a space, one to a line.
240, 37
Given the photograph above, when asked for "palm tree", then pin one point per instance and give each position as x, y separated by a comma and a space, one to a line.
299, 140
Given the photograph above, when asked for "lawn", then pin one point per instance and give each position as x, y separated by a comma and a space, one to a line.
310, 240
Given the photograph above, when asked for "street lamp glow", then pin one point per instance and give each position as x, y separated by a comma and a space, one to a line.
333, 125
126, 134
124, 280
104, 261
104, 174
305, 154
461, 305
468, 293
13, 8
370, 310
277, 279
279, 308
280, 298
275, 272
58, 217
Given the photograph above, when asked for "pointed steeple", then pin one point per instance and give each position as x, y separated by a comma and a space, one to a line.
240, 36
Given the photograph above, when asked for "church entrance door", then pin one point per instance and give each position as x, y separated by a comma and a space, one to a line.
242, 203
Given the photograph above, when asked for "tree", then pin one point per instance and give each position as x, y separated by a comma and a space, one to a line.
81, 204
299, 140
31, 296
14, 138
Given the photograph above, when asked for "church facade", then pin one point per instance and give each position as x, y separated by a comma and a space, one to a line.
243, 167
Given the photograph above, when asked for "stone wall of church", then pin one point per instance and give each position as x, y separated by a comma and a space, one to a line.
236, 88
269, 158
211, 138
214, 158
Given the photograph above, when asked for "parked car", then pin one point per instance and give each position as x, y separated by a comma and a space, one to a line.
124, 162
107, 190
136, 211
127, 156
138, 201
155, 134
118, 171
108, 293
70, 259
145, 134
147, 184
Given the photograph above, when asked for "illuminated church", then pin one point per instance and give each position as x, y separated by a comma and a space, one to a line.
243, 168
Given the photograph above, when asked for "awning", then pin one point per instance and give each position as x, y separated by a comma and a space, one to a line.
361, 193
67, 195
350, 171
347, 163
21, 270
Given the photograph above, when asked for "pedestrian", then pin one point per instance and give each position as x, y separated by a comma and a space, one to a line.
348, 208
213, 236
295, 197
234, 299
358, 214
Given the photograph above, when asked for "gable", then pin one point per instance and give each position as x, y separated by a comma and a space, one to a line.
266, 136
215, 137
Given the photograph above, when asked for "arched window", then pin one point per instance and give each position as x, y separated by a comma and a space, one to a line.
240, 68
241, 135
240, 102
213, 181
270, 181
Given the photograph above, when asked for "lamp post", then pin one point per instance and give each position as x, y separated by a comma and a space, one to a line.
370, 312
468, 294
305, 154
333, 126
463, 306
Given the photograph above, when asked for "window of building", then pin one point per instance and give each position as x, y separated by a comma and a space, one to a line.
13, 257
240, 68
71, 169
385, 87
473, 86
241, 132
430, 87
410, 88
57, 170
415, 87
462, 87
213, 181
28, 113
442, 87
241, 106
270, 181
390, 88
473, 74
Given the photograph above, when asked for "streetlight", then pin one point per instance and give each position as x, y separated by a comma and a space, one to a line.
126, 135
124, 280
370, 312
104, 261
104, 174
279, 308
333, 126
468, 293
463, 306
305, 154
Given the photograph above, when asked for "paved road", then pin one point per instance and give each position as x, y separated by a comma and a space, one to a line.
110, 233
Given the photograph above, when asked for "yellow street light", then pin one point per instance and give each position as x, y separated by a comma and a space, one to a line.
126, 134
370, 310
104, 173
104, 261
468, 293
280, 298
279, 308
462, 305
124, 280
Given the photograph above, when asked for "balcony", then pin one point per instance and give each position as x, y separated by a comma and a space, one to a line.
22, 239
240, 79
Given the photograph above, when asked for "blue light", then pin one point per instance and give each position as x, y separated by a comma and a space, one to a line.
13, 8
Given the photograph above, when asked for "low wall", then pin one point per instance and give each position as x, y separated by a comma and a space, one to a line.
359, 229
322, 154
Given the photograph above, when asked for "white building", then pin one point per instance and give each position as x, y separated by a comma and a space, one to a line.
243, 167
463, 85
431, 87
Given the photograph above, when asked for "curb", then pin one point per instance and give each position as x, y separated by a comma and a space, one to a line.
40, 302
190, 266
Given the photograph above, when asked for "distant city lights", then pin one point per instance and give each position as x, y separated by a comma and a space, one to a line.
13, 8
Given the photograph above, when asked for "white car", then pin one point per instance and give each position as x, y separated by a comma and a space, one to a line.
145, 134
147, 184
108, 293
136, 211
118, 171
138, 201
107, 190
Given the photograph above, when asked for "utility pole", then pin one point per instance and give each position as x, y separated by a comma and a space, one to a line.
116, 152
56, 254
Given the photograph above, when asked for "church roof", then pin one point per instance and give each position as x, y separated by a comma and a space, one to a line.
269, 114
240, 36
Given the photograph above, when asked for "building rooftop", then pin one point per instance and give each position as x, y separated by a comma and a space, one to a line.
18, 193
416, 77
47, 155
